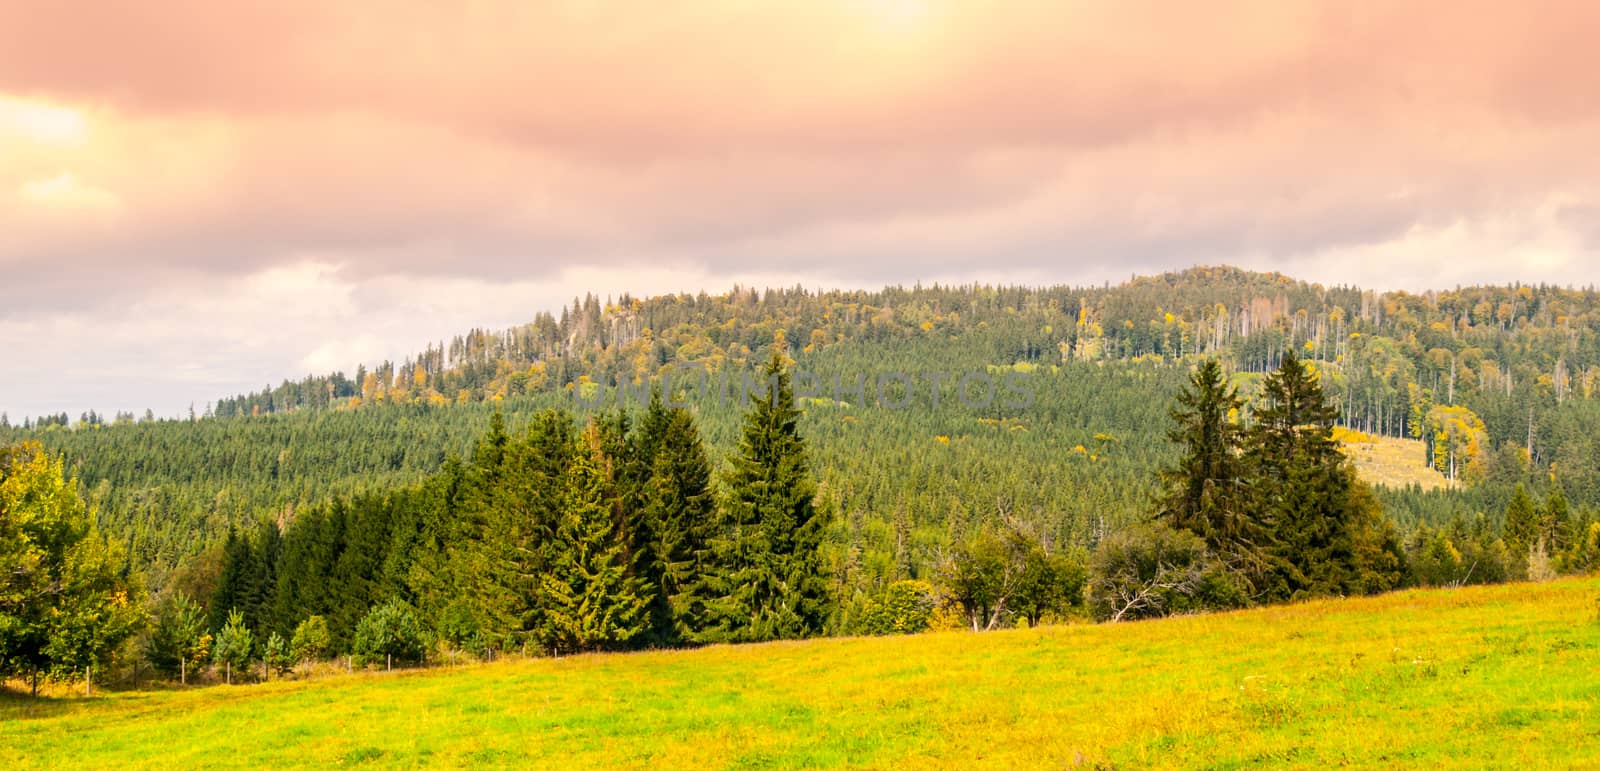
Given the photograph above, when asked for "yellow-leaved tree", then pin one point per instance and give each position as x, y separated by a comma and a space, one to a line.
1459, 441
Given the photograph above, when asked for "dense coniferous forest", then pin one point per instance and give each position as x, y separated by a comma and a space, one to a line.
558, 540
971, 455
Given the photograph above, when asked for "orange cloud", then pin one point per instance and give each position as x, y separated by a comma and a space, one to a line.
267, 182
855, 138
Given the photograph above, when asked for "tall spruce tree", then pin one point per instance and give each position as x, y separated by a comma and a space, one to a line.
354, 579
678, 511
1329, 535
266, 554
1206, 491
507, 541
632, 462
477, 592
304, 576
765, 579
418, 557
589, 599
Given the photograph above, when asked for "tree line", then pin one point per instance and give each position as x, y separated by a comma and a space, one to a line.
1262, 506
606, 532
558, 540
1498, 382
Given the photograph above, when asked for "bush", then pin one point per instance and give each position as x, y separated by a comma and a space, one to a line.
311, 640
905, 607
1153, 571
391, 631
1051, 586
1435, 560
994, 577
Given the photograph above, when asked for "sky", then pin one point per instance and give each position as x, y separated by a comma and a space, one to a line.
201, 198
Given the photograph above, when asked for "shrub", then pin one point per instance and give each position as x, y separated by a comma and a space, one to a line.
311, 640
994, 577
1051, 585
905, 607
391, 631
1153, 571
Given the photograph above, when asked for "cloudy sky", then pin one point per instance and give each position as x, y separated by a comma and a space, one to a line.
197, 198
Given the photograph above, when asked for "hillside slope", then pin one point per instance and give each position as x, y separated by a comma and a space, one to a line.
1500, 676
1392, 462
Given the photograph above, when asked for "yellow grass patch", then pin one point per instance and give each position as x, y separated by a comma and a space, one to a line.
1391, 462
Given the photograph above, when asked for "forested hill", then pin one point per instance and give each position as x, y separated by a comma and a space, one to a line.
1501, 383
1520, 341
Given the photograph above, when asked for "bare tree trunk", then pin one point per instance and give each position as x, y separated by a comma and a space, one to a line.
994, 618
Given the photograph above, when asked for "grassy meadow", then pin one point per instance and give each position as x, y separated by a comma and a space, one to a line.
1503, 675
1391, 462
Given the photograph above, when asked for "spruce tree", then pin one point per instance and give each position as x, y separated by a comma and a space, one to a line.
589, 599
765, 580
1557, 520
418, 556
308, 554
1522, 526
234, 584
1206, 490
235, 645
632, 463
1329, 534
354, 578
164, 645
476, 586
680, 511
257, 600
505, 540
529, 509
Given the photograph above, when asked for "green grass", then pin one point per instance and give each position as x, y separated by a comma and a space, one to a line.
1505, 676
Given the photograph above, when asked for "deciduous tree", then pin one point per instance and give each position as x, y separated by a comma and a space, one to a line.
65, 598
